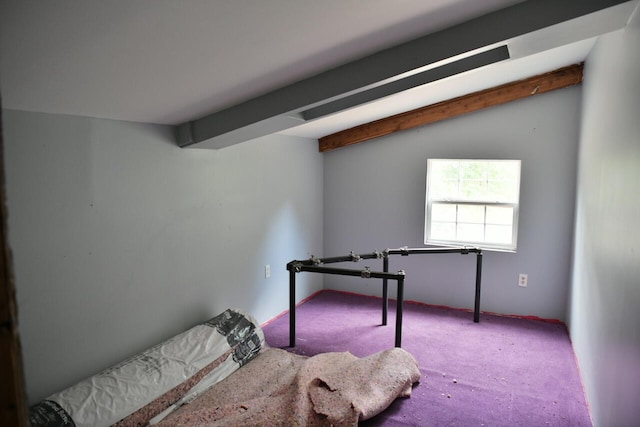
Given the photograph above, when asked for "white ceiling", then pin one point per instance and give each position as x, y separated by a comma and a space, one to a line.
168, 61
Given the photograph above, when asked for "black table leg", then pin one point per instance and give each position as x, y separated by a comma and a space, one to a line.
292, 308
476, 311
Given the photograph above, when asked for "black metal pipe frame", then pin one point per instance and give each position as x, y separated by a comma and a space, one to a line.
463, 251
385, 291
476, 308
298, 267
315, 265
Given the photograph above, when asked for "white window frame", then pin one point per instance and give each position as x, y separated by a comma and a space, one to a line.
479, 201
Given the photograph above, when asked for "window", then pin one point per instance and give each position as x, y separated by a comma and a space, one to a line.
472, 203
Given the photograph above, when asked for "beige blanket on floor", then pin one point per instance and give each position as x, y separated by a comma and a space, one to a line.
279, 388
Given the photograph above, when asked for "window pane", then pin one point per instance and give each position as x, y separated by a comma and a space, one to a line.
443, 230
504, 180
505, 170
471, 213
443, 212
500, 215
502, 191
499, 234
473, 169
499, 191
444, 170
473, 190
444, 190
470, 233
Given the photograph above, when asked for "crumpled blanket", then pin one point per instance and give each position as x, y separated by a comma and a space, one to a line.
279, 388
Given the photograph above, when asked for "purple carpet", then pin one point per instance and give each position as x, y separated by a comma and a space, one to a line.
502, 371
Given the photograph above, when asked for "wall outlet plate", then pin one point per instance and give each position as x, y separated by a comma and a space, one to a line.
522, 280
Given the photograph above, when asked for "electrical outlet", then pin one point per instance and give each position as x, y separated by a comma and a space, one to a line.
267, 271
522, 280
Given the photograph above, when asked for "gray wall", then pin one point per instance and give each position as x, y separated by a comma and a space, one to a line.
120, 239
374, 199
605, 300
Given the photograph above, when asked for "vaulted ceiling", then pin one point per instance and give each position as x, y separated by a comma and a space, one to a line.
225, 71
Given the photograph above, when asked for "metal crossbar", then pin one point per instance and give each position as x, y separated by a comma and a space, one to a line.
317, 265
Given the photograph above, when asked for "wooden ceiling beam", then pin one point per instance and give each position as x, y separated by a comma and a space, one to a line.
560, 78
